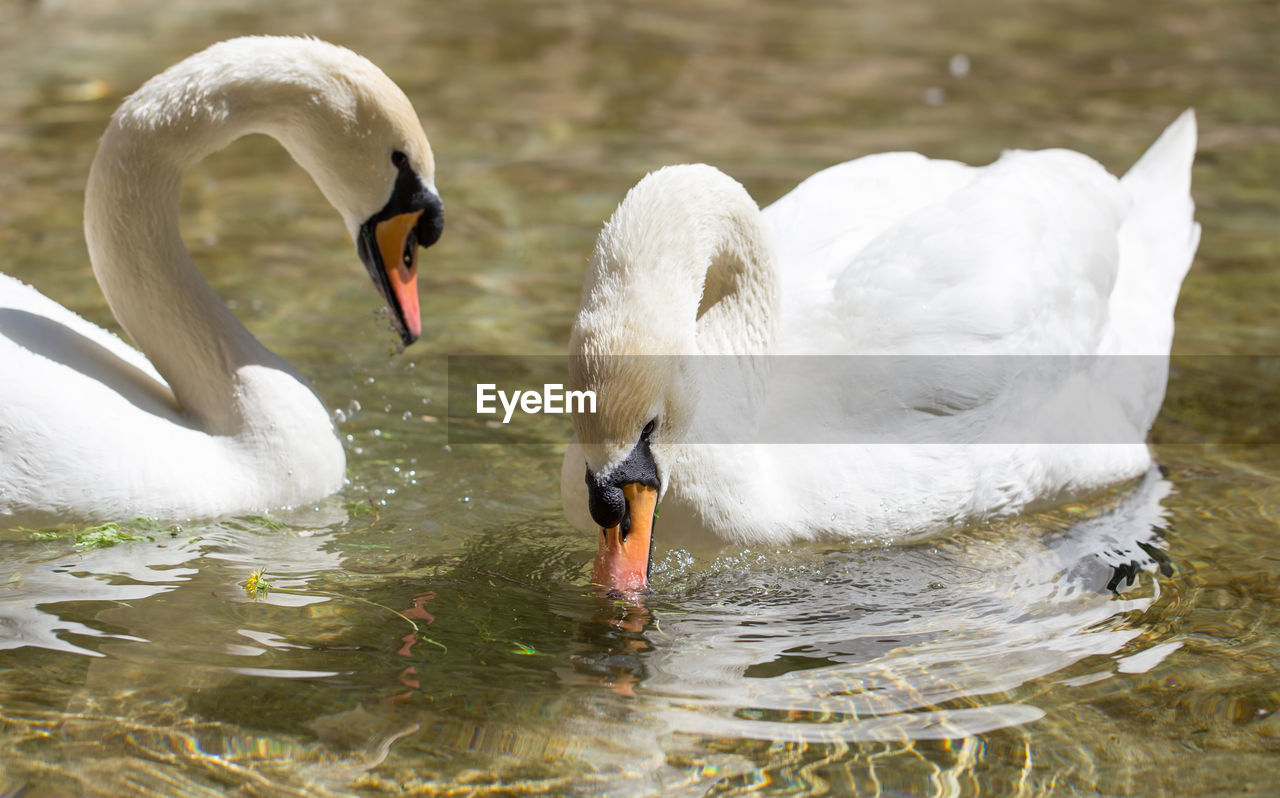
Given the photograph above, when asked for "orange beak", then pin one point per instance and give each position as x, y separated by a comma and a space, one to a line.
622, 563
398, 248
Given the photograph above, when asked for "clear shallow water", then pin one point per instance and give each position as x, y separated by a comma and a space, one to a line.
993, 660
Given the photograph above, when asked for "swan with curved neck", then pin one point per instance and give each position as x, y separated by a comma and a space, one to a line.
209, 422
701, 315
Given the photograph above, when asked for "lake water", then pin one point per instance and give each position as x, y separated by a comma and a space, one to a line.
431, 629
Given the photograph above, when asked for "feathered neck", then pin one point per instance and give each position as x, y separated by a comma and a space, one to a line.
291, 89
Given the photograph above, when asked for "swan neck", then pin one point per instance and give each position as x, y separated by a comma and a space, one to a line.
147, 275
684, 267
738, 305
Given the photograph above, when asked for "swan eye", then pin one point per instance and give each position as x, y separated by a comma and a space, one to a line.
410, 249
400, 160
648, 429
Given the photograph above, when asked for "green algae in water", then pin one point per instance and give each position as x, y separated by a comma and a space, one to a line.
101, 536
107, 535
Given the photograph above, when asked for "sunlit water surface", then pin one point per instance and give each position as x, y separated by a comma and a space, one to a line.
431, 630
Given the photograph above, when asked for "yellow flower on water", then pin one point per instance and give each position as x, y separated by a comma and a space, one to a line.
256, 586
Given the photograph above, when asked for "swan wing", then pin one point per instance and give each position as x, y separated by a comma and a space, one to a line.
901, 254
30, 320
950, 290
821, 226
75, 400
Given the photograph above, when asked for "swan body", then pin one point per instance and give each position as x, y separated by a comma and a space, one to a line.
204, 420
897, 346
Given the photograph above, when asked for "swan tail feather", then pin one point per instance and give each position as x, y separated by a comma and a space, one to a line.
1157, 242
1166, 164
1163, 211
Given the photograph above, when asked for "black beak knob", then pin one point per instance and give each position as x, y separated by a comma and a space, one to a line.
431, 222
606, 502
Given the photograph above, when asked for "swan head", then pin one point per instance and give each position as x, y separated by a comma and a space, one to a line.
642, 407
682, 270
340, 117
388, 241
361, 140
633, 340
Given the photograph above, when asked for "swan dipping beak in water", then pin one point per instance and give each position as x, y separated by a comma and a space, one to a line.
204, 420
989, 340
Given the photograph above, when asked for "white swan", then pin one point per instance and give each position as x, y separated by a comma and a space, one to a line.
913, 265
209, 422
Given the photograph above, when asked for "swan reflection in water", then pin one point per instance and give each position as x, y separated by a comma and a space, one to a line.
909, 642
942, 640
